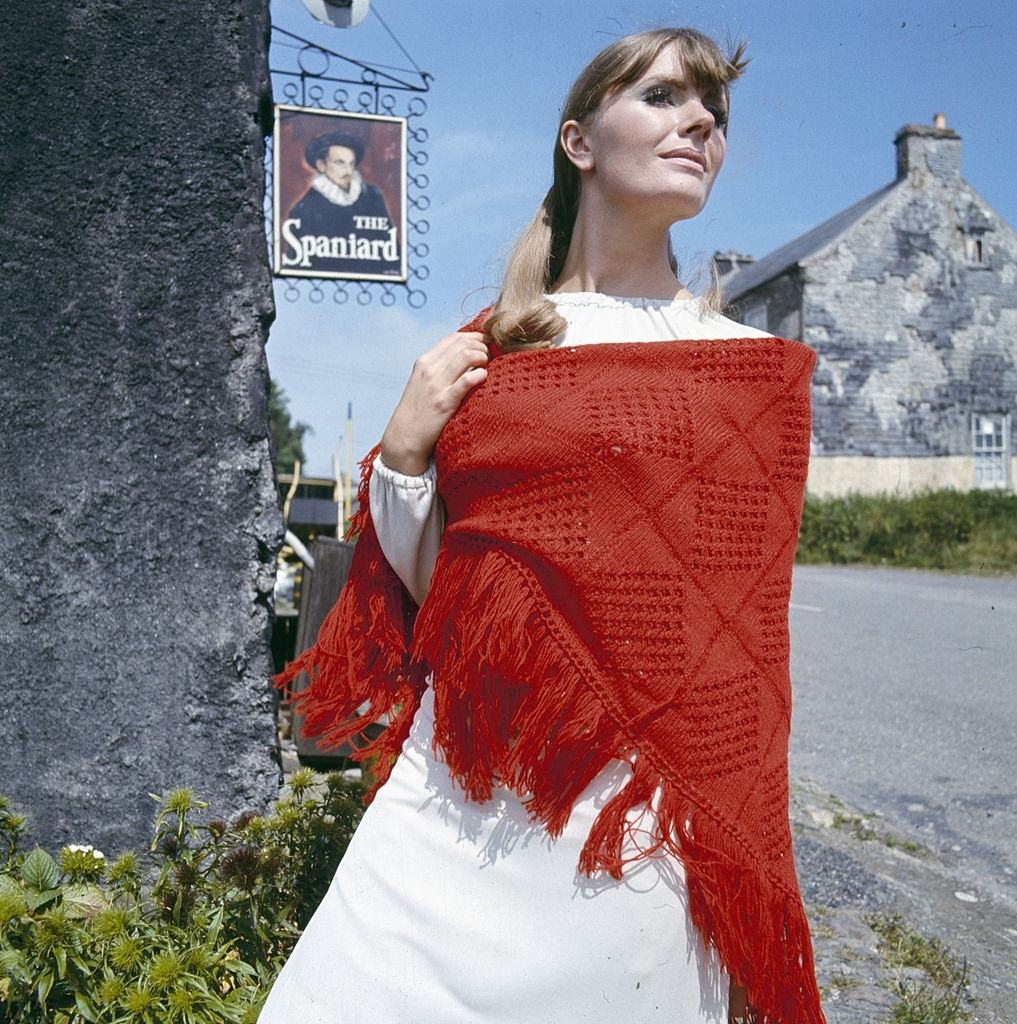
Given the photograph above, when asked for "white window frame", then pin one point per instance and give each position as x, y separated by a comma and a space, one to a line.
974, 247
990, 444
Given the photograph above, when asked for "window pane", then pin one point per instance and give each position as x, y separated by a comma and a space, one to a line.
989, 468
991, 449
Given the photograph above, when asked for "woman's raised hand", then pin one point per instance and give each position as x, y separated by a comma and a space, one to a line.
440, 379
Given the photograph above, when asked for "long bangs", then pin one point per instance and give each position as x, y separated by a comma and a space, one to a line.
627, 59
708, 68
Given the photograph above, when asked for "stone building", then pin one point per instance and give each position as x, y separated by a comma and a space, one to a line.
909, 298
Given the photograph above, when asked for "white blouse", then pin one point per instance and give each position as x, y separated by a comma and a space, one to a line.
408, 512
445, 910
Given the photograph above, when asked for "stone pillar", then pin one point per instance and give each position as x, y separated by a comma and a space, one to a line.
139, 519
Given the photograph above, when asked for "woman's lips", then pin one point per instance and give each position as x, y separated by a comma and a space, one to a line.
687, 161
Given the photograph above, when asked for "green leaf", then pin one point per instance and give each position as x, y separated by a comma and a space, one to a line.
14, 965
42, 989
239, 967
215, 925
39, 870
84, 899
199, 984
60, 954
9, 884
85, 1008
38, 899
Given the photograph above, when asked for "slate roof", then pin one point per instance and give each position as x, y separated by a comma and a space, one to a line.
313, 512
743, 280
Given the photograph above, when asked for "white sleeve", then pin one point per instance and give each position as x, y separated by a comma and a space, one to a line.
408, 516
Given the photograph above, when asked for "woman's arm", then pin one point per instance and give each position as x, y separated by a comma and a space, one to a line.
408, 516
406, 509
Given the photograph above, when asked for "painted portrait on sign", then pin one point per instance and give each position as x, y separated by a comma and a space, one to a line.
340, 195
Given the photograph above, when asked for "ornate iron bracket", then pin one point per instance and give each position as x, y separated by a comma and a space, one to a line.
316, 76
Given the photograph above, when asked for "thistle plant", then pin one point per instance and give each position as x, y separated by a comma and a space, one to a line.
195, 930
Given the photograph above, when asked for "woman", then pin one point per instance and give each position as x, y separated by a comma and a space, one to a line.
457, 899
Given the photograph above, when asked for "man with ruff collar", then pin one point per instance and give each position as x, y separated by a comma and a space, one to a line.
340, 203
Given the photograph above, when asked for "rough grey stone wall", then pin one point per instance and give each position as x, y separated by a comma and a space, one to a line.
925, 149
911, 336
139, 517
783, 299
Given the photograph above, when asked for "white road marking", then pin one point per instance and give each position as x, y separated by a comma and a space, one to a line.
804, 607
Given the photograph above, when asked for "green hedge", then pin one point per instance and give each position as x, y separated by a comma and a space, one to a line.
959, 531
197, 935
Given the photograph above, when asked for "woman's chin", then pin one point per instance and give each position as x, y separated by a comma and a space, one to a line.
687, 208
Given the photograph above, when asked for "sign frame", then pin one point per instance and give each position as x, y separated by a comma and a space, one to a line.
325, 262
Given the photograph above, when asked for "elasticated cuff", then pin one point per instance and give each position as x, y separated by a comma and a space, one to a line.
408, 481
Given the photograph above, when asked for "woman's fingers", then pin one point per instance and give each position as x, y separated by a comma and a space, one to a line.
466, 349
443, 365
468, 380
459, 363
441, 377
471, 356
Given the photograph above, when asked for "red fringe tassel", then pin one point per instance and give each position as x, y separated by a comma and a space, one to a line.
513, 708
511, 705
361, 654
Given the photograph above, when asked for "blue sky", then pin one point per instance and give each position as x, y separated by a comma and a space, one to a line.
812, 127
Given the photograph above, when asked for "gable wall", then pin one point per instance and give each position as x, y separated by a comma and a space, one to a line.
911, 338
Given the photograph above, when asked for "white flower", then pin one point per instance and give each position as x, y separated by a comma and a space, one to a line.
78, 848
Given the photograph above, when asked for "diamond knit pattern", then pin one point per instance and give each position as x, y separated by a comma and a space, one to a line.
613, 582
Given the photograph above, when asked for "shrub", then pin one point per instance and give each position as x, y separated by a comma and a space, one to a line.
198, 937
955, 530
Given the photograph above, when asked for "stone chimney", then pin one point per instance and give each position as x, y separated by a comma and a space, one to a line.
730, 261
928, 149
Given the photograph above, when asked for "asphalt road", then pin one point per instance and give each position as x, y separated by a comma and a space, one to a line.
905, 704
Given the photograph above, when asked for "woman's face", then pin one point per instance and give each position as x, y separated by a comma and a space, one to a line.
631, 140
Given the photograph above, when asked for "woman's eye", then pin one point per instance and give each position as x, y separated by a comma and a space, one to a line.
719, 117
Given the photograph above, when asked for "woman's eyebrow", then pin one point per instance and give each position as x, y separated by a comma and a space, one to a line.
669, 79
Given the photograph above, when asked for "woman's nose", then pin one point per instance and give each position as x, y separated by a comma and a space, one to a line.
699, 119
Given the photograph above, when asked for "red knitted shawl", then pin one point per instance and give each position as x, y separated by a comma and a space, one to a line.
612, 582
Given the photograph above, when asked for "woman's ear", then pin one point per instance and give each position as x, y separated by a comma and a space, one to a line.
577, 148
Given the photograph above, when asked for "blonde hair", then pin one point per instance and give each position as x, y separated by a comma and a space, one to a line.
521, 317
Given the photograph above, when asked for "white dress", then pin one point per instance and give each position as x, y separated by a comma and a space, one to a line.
444, 911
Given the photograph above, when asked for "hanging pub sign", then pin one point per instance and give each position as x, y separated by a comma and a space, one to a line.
340, 195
